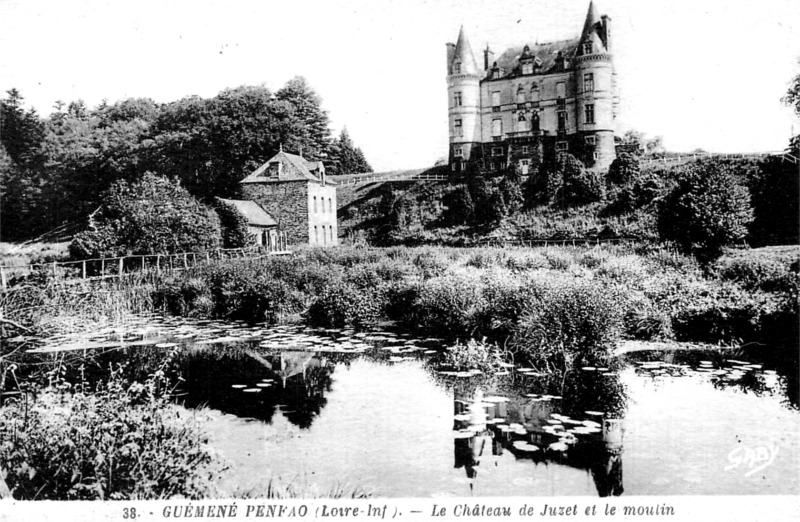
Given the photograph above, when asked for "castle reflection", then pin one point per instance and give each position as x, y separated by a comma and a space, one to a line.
537, 427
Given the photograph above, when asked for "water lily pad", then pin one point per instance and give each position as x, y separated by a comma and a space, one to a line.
239, 386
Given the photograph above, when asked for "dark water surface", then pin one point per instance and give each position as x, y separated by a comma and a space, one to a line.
333, 408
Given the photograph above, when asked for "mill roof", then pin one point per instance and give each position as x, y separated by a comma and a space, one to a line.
294, 168
255, 213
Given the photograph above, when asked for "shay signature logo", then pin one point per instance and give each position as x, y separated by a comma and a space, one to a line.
754, 459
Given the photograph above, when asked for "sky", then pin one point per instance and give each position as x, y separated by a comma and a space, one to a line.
701, 73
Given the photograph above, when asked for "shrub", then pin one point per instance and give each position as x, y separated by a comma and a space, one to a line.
344, 304
447, 305
235, 231
755, 273
122, 442
706, 211
473, 355
573, 323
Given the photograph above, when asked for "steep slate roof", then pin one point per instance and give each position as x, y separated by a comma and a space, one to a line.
254, 213
463, 54
295, 168
546, 52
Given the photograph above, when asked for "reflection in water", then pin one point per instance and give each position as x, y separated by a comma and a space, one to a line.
535, 426
245, 383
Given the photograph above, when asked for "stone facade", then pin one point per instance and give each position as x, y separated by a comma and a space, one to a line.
304, 205
534, 101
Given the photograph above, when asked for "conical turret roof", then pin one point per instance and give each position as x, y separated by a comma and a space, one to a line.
463, 54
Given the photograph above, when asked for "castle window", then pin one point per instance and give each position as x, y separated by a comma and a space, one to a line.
562, 121
520, 95
315, 204
497, 151
457, 98
588, 82
535, 121
457, 128
561, 146
587, 48
527, 68
521, 116
591, 140
496, 100
561, 90
458, 152
595, 156
525, 149
497, 127
457, 68
535, 93
589, 112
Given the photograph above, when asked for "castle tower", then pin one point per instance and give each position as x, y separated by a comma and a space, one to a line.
464, 105
595, 91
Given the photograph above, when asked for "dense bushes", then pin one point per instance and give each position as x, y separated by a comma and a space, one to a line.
153, 216
121, 442
707, 210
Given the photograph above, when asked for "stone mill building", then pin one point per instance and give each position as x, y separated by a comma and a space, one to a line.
534, 100
296, 193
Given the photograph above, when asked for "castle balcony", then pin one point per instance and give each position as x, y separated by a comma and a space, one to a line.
525, 136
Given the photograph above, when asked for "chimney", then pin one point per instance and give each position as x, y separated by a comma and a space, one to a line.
607, 31
488, 58
451, 51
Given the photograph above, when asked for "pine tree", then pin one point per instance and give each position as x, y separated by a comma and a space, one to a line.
314, 132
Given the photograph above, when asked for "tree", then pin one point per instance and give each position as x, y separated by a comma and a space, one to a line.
496, 210
313, 131
459, 207
511, 191
345, 157
21, 131
706, 210
623, 170
792, 97
775, 191
480, 191
568, 182
152, 216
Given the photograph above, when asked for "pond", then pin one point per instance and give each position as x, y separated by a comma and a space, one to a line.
337, 407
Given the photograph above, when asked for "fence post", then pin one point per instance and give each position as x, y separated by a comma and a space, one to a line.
83, 270
3, 281
54, 268
121, 263
103, 267
158, 263
185, 261
143, 263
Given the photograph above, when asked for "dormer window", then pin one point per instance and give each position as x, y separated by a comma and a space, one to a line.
457, 68
495, 73
527, 68
587, 48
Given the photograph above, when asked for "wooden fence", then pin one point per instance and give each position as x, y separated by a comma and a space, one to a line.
375, 178
116, 267
680, 158
579, 241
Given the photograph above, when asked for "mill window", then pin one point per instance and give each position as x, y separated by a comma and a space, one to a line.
315, 204
589, 112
